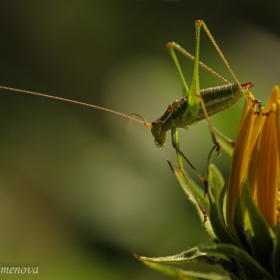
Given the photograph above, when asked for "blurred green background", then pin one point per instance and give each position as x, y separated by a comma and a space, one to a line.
80, 188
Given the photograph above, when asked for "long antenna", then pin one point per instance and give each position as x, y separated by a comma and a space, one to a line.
145, 123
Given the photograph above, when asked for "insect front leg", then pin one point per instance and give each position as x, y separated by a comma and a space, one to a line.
171, 47
180, 155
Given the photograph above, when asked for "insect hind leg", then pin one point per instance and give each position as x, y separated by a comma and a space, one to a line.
201, 23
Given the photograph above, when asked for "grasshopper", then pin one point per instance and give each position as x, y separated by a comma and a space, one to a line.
195, 105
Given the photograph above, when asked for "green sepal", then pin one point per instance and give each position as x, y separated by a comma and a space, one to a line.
258, 232
276, 254
216, 208
238, 223
251, 268
219, 227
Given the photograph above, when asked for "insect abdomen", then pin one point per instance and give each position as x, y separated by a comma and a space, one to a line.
217, 99
220, 97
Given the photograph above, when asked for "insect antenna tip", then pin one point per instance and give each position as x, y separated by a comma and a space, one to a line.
144, 122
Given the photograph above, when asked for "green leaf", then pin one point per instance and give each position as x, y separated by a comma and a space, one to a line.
276, 255
191, 189
217, 181
176, 272
260, 235
218, 198
189, 256
222, 203
251, 268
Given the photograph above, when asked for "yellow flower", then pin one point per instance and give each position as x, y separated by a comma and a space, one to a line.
242, 213
256, 160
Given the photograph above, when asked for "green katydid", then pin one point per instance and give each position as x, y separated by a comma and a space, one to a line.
195, 105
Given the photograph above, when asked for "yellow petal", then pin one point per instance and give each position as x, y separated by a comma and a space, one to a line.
267, 174
252, 169
239, 163
274, 97
254, 150
278, 125
246, 108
